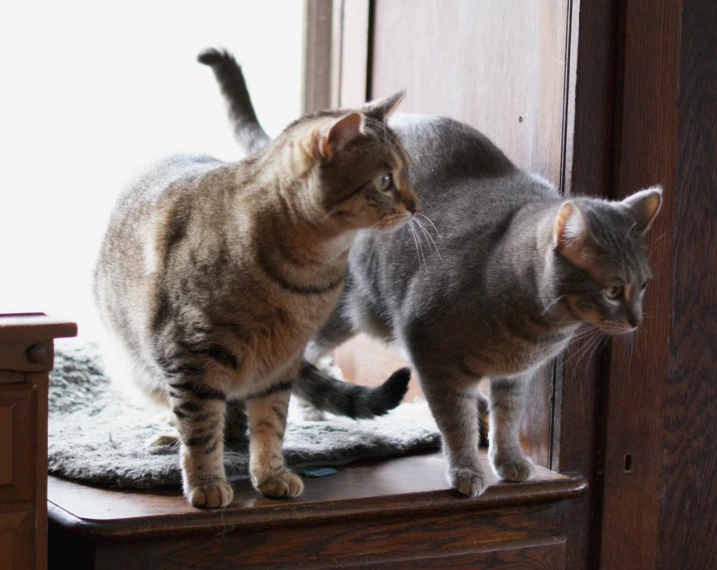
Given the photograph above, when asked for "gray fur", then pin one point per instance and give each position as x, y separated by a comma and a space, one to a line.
250, 135
493, 297
499, 279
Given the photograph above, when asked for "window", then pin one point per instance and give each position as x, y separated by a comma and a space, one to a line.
91, 91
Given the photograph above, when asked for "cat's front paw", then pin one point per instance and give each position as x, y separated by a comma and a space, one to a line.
467, 481
279, 484
514, 469
212, 495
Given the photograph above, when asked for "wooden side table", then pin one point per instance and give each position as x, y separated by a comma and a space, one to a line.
390, 513
26, 357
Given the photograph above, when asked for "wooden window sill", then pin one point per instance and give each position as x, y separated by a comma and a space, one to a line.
413, 484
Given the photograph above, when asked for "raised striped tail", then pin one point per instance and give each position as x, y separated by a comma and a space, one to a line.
247, 130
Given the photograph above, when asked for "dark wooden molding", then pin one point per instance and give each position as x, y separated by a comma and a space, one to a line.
26, 356
33, 326
645, 153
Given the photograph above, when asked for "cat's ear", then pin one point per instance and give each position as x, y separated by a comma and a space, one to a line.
644, 206
571, 234
339, 133
382, 108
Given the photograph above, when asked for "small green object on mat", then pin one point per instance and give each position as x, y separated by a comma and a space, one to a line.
316, 471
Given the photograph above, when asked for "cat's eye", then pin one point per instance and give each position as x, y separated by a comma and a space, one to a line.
384, 182
614, 292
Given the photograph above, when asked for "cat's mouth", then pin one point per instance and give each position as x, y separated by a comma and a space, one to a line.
393, 221
616, 328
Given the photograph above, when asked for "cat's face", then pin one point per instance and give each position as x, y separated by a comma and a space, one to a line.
602, 264
359, 169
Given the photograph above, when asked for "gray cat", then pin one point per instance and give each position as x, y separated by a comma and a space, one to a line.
508, 274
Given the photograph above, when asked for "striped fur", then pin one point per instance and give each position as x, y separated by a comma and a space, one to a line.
213, 276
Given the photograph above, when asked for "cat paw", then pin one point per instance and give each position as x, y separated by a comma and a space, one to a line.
166, 438
212, 495
467, 481
515, 469
279, 484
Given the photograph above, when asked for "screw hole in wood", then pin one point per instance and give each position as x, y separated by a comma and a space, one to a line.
628, 463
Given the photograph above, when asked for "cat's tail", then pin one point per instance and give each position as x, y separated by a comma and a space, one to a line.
345, 399
247, 130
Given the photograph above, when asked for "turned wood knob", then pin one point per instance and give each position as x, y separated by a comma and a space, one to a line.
37, 354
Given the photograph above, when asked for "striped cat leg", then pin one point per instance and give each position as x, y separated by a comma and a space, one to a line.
267, 422
456, 414
507, 402
200, 412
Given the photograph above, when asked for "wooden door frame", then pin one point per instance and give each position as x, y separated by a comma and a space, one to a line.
337, 53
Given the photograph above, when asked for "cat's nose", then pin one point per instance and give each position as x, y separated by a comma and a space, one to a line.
413, 207
634, 321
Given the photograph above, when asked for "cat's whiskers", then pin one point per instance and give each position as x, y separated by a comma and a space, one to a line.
429, 238
654, 241
602, 339
578, 356
584, 333
430, 222
415, 242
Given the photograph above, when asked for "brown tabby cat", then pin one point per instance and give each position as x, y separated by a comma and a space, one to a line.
213, 276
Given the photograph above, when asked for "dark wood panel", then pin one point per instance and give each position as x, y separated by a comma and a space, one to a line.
549, 556
17, 538
26, 354
7, 436
687, 524
340, 543
645, 154
18, 403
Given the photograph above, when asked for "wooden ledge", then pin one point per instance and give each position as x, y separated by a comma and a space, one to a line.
34, 326
404, 486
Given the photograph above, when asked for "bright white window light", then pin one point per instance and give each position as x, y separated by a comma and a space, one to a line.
90, 92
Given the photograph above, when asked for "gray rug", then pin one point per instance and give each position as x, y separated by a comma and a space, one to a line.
97, 432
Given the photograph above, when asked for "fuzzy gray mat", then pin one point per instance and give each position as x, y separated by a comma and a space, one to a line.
97, 432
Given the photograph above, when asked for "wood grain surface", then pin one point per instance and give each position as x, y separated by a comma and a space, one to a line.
687, 535
644, 154
395, 513
408, 484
